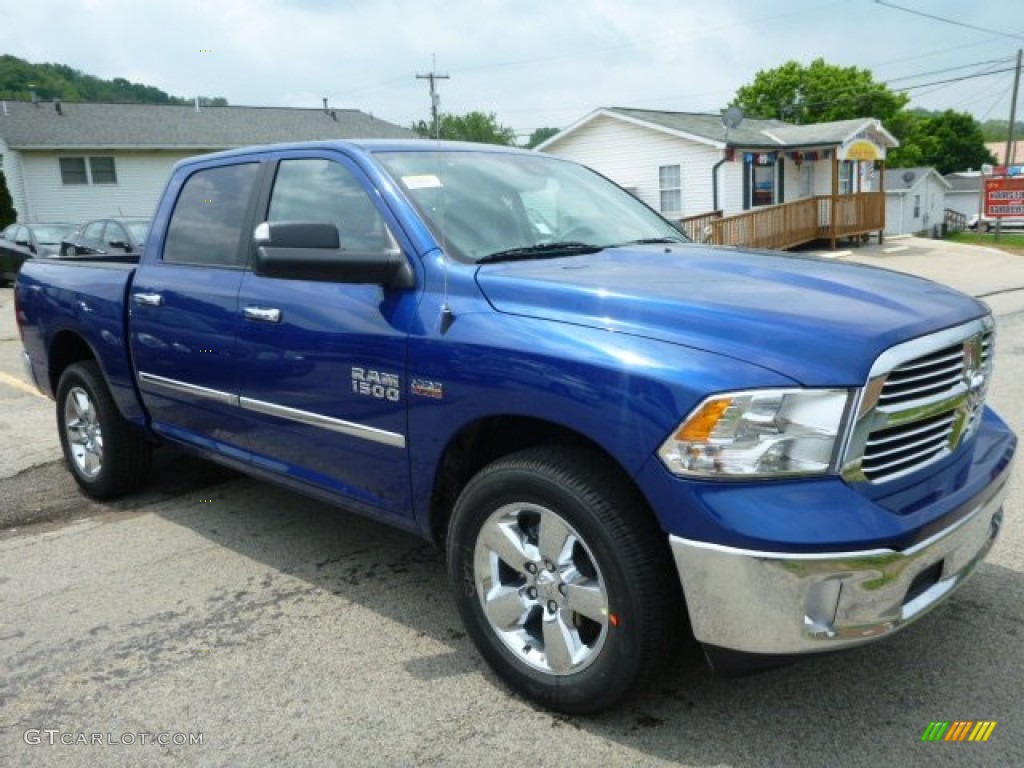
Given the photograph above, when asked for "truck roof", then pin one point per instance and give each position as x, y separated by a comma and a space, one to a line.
361, 146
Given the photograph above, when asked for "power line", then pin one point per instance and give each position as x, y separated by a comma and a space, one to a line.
948, 21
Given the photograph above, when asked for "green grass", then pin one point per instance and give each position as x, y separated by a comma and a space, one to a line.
1011, 242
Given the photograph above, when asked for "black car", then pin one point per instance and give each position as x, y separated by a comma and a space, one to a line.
106, 237
23, 241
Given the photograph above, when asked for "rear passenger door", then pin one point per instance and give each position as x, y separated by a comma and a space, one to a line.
184, 310
323, 363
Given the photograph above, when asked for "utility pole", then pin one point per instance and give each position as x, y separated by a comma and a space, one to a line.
435, 99
1008, 157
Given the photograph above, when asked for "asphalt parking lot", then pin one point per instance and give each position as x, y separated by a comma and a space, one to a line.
279, 631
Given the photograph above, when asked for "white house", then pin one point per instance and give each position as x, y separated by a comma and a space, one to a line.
915, 201
76, 161
686, 164
964, 193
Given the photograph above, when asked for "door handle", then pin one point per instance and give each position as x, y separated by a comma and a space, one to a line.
148, 299
262, 314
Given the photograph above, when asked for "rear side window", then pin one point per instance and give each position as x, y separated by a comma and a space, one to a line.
206, 226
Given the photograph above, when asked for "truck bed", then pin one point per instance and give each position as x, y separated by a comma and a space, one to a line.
58, 299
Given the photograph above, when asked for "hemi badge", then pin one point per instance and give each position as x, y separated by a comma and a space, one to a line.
427, 388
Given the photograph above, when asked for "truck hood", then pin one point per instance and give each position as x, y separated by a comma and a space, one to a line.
817, 321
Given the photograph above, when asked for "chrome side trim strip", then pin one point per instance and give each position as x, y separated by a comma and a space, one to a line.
188, 389
324, 422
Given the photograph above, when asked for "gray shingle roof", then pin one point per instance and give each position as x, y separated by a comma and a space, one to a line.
752, 133
960, 182
92, 125
894, 178
708, 126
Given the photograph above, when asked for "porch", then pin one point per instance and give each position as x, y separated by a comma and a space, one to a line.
820, 217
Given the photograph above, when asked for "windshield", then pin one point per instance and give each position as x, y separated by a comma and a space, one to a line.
490, 206
139, 230
51, 234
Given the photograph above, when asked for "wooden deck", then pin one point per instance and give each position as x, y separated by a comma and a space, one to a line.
790, 224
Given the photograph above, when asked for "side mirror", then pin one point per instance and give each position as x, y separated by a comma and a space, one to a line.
309, 250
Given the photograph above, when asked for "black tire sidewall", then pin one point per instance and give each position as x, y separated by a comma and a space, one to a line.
118, 470
609, 676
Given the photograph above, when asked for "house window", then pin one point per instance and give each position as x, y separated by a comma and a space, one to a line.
72, 170
103, 171
917, 206
670, 186
845, 177
100, 170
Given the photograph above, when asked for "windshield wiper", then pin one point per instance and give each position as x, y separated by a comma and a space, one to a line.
541, 251
651, 241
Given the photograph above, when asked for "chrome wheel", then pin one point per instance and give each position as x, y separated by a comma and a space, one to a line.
84, 433
540, 588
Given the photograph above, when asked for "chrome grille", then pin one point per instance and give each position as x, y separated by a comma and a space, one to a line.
922, 400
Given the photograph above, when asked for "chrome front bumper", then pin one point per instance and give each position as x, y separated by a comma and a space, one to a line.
782, 603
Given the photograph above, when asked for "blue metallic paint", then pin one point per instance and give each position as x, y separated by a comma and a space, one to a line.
601, 345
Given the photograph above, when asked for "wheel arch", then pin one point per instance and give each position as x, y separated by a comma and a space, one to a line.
67, 348
486, 439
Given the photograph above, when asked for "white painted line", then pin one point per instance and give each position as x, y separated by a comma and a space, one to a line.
20, 385
896, 249
837, 254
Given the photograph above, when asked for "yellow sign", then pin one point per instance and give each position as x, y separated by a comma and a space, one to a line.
862, 149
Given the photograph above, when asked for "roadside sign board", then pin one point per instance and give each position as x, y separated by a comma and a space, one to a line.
1004, 196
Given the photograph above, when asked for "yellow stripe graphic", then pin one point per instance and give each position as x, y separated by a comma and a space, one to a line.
983, 730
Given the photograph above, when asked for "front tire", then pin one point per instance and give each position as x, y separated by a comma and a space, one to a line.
106, 456
562, 577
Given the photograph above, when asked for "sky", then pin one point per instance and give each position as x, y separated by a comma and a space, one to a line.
533, 63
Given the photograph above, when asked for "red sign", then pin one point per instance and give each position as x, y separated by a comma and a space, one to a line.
1004, 196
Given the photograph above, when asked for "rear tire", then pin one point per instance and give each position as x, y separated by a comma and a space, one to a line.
106, 456
563, 578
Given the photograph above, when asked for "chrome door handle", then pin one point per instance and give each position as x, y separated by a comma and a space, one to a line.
263, 314
148, 299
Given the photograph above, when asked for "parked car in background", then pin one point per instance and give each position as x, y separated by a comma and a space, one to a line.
106, 237
989, 224
23, 241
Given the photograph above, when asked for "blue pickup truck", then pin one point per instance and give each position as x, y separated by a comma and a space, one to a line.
623, 440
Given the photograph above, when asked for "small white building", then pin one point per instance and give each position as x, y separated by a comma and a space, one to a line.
915, 201
76, 161
686, 164
964, 193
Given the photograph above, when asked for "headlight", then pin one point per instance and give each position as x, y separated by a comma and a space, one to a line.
760, 433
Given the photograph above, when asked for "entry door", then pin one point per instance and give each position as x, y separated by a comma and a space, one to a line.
323, 373
184, 312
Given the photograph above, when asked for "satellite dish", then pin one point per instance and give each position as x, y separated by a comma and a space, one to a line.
732, 117
908, 176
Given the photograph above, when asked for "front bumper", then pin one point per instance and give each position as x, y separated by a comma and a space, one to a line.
787, 603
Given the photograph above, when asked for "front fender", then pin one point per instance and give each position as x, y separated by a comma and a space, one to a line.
624, 393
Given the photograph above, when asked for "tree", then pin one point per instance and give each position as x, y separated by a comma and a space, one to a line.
472, 126
820, 92
817, 93
950, 141
7, 213
541, 135
19, 78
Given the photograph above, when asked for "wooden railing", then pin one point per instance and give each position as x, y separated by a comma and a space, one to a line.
955, 221
801, 221
698, 228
